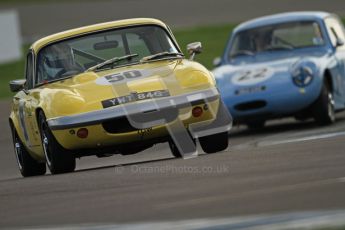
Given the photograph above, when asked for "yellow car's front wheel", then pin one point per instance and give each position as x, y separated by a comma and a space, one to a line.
58, 159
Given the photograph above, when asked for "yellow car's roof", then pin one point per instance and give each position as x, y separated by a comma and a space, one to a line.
93, 28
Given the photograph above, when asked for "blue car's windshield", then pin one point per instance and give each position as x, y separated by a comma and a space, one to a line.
284, 36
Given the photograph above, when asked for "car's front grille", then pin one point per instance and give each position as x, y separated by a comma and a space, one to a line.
250, 105
118, 125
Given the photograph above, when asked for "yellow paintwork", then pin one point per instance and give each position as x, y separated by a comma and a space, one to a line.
81, 94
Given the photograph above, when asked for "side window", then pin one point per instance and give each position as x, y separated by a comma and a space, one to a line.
29, 71
335, 30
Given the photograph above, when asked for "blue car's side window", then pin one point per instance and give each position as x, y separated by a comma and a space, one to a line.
336, 32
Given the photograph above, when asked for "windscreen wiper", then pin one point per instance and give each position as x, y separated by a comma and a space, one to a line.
160, 55
111, 61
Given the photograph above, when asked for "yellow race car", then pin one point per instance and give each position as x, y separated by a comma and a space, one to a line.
113, 88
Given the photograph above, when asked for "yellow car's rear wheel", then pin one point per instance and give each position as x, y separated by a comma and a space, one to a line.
27, 165
58, 159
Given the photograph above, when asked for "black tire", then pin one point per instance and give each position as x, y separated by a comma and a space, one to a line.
323, 108
175, 151
256, 125
214, 143
58, 159
27, 165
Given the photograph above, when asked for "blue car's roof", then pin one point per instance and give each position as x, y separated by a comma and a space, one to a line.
281, 18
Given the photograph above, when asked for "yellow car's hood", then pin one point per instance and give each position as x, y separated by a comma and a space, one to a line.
85, 92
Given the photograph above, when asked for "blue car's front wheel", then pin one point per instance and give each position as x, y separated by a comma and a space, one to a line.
323, 109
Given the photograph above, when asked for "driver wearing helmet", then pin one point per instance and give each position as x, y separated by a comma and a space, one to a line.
57, 61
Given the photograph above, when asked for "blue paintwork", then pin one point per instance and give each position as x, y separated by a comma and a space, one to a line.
283, 97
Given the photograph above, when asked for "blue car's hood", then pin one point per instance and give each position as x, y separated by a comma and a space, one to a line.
251, 73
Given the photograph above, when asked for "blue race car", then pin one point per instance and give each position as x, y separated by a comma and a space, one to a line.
289, 64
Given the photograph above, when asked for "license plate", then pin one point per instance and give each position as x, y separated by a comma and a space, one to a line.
247, 90
135, 97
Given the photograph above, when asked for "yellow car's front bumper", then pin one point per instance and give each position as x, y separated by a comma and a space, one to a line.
65, 128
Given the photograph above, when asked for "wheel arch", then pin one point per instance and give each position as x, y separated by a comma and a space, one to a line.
328, 79
15, 133
38, 110
14, 125
11, 123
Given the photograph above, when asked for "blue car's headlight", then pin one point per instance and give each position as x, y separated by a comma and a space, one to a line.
303, 73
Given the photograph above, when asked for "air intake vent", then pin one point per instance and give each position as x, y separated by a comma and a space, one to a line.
250, 105
118, 125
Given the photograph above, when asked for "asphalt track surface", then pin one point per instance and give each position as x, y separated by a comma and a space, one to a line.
285, 168
39, 19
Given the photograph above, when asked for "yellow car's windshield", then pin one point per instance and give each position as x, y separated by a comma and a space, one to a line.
75, 55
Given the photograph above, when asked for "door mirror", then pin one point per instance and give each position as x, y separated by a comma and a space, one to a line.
17, 85
194, 48
217, 61
339, 42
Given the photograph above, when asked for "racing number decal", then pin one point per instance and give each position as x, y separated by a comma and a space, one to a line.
132, 74
127, 76
118, 77
249, 75
245, 76
253, 76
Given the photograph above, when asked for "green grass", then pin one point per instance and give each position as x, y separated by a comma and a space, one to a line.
213, 39
11, 71
14, 70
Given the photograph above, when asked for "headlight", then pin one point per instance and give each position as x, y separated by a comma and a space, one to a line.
303, 73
